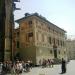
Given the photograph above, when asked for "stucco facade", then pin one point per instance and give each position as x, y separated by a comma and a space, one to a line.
70, 49
40, 39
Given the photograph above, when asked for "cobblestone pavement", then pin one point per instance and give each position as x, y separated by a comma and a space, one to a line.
56, 70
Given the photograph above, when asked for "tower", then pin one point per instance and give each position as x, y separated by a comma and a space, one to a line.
2, 28
6, 29
9, 26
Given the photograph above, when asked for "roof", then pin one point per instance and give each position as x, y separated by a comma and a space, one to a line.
41, 17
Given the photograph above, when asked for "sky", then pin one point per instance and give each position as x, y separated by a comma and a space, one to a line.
58, 12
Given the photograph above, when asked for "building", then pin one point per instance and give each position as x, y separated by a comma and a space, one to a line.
39, 39
6, 29
70, 49
16, 44
2, 28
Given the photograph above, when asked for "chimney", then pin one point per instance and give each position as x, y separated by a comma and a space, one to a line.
27, 14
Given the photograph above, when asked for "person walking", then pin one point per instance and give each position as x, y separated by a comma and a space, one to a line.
63, 66
52, 62
1, 64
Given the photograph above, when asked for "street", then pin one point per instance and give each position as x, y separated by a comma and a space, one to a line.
56, 70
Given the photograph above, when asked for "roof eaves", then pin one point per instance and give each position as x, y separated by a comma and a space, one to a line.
18, 21
51, 23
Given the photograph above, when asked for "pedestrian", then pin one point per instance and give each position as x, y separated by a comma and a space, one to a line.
31, 64
17, 68
40, 62
27, 66
49, 62
52, 62
1, 64
63, 66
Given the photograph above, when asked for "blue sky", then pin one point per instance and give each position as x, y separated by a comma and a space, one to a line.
59, 12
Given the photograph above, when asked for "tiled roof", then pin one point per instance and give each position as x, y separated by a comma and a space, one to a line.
43, 18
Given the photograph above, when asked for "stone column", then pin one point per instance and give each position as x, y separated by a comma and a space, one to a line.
2, 28
8, 30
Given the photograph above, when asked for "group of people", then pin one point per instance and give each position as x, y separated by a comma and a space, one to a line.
50, 63
15, 67
20, 66
46, 63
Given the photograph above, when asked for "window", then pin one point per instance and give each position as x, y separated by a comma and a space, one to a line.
54, 40
17, 44
49, 28
64, 52
59, 52
43, 37
30, 35
36, 22
50, 40
61, 43
37, 35
58, 42
30, 23
17, 34
50, 51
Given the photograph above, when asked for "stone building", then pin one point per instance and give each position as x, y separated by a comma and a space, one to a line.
16, 43
70, 49
6, 29
39, 39
2, 28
